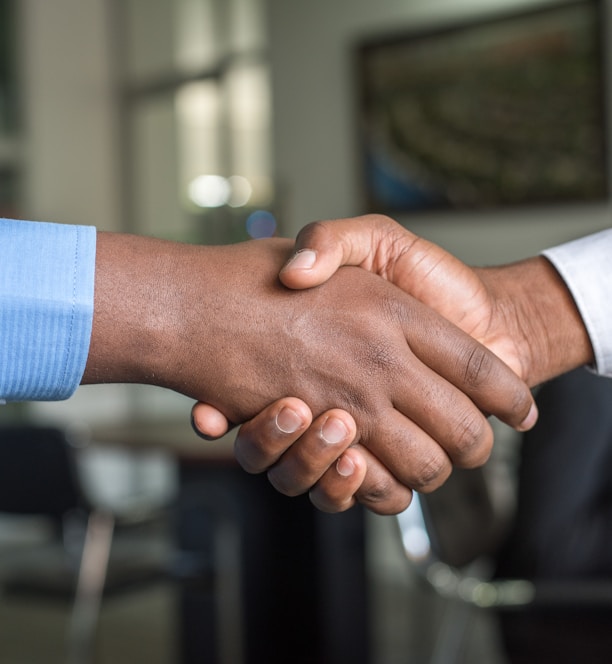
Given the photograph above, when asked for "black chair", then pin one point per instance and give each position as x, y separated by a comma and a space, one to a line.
83, 559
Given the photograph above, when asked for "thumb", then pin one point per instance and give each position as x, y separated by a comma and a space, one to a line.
324, 246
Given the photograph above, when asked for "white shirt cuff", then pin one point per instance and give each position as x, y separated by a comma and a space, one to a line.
585, 266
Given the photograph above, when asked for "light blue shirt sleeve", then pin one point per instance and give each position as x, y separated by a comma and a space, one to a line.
46, 308
586, 267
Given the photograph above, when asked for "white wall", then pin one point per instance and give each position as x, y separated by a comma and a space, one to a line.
315, 147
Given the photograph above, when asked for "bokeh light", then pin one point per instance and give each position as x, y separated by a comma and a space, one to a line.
240, 191
209, 191
261, 224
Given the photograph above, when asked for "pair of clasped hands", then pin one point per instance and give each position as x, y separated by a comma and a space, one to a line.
468, 343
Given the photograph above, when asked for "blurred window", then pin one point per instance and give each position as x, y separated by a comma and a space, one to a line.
195, 116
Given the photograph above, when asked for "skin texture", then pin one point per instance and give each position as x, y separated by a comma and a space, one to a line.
215, 324
522, 312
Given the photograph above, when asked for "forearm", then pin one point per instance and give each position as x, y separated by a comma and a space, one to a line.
534, 304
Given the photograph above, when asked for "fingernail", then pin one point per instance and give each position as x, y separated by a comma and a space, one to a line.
333, 431
530, 420
302, 260
288, 421
345, 466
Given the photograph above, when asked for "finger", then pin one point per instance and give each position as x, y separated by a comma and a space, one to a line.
417, 460
370, 241
358, 476
261, 441
208, 422
466, 364
380, 491
432, 424
335, 491
303, 464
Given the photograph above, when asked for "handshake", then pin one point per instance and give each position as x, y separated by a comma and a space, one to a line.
361, 361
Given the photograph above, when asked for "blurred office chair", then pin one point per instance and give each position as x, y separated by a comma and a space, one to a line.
82, 560
549, 569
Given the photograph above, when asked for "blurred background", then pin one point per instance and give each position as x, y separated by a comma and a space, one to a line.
217, 121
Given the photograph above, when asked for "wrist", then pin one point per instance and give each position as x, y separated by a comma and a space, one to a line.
535, 307
136, 304
169, 314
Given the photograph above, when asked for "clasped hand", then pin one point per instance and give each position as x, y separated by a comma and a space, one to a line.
406, 388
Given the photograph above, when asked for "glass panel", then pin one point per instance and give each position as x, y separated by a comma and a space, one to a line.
153, 177
246, 21
187, 36
199, 35
224, 153
149, 38
199, 131
203, 166
248, 99
200, 163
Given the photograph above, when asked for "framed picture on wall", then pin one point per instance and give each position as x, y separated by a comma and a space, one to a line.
498, 112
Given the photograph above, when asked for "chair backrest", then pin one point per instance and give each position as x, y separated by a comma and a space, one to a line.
37, 472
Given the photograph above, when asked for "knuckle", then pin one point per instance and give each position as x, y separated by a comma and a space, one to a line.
382, 357
470, 429
432, 473
311, 232
391, 307
382, 220
396, 504
378, 491
473, 441
520, 402
478, 366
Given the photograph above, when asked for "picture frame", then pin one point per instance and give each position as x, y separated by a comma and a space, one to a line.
498, 112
